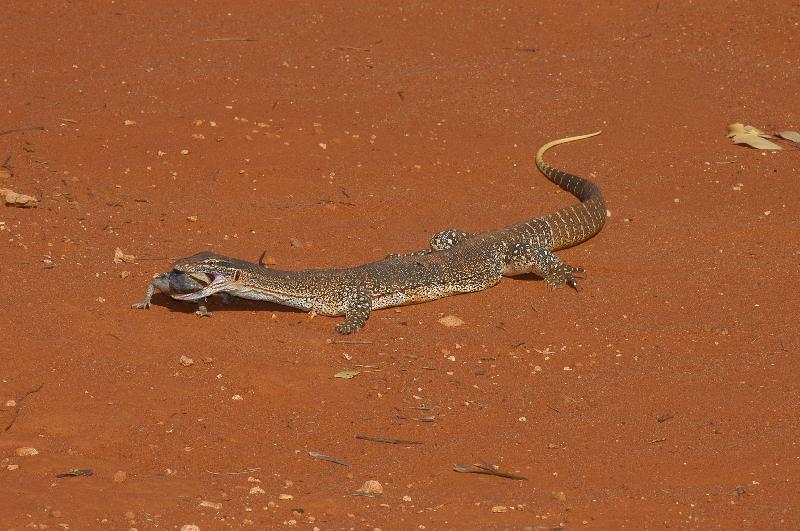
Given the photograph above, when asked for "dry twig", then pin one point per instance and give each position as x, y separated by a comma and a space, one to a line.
18, 406
488, 469
384, 440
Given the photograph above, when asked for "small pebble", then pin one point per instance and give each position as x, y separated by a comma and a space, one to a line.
285, 497
257, 490
26, 451
186, 361
212, 505
371, 487
120, 476
451, 321
499, 509
192, 218
12, 467
130, 515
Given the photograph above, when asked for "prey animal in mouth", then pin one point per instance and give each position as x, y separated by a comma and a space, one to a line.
175, 283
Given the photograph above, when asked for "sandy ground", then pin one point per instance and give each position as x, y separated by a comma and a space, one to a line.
664, 394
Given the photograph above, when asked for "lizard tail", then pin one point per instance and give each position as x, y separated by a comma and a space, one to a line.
575, 223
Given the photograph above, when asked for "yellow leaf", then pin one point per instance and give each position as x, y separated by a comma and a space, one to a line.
749, 135
794, 136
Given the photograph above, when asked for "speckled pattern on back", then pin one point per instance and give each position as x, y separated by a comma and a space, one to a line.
456, 262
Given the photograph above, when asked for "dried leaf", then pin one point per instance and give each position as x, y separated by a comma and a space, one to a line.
741, 129
346, 374
120, 256
12, 198
755, 141
794, 136
751, 136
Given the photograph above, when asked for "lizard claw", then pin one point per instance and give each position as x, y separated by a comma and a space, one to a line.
144, 305
347, 328
564, 274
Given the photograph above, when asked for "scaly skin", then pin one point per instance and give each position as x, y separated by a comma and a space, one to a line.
457, 262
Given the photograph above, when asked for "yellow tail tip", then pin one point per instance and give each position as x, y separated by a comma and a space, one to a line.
552, 143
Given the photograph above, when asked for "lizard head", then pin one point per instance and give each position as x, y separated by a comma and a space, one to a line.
212, 272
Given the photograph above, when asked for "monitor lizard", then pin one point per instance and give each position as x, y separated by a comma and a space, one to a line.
456, 262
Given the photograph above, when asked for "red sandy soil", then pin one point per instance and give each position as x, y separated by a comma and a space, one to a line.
664, 394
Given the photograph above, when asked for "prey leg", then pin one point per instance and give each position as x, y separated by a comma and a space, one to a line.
202, 311
356, 314
145, 304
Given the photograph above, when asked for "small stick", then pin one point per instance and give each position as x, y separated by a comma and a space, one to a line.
354, 48
22, 130
7, 165
352, 341
75, 472
665, 417
489, 470
245, 471
230, 39
387, 441
654, 441
18, 407
323, 457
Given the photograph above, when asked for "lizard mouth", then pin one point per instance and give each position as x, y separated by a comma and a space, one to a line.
211, 282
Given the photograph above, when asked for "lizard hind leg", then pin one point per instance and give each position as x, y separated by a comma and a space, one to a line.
447, 238
357, 310
527, 258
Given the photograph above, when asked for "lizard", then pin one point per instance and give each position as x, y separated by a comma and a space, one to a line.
456, 262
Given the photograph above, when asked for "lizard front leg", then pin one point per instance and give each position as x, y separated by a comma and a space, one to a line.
357, 309
447, 238
527, 258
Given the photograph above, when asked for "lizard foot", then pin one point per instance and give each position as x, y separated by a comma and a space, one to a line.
202, 311
144, 305
347, 328
357, 312
564, 274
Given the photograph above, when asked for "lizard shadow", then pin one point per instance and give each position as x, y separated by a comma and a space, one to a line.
215, 304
